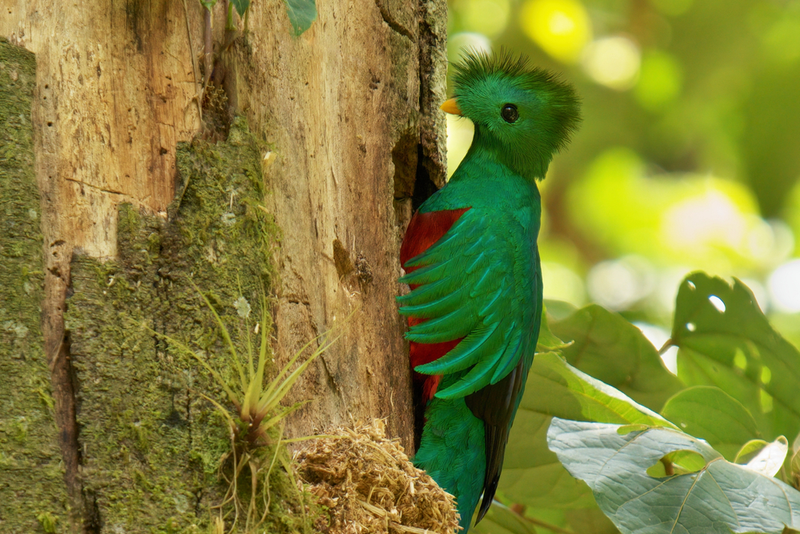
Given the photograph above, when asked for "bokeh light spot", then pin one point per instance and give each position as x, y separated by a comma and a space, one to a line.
561, 24
740, 360
700, 221
617, 284
781, 43
766, 375
562, 283
766, 401
560, 27
784, 287
660, 80
461, 43
613, 62
488, 17
659, 337
769, 241
459, 136
791, 214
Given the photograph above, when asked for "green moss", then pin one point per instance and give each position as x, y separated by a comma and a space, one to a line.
48, 522
152, 446
31, 476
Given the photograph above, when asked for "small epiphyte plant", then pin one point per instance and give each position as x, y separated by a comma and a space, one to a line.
255, 442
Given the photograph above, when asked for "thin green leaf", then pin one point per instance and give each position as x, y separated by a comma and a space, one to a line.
271, 401
226, 336
686, 461
270, 394
219, 407
264, 347
189, 352
283, 413
275, 382
251, 398
564, 391
548, 342
280, 386
627, 429
256, 376
257, 379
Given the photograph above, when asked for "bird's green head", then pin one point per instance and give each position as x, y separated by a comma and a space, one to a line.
523, 115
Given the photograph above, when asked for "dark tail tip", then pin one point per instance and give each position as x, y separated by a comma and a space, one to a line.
495, 450
488, 497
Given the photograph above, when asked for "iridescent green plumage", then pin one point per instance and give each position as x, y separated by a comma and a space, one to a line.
476, 297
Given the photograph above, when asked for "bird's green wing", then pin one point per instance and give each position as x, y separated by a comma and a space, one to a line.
478, 282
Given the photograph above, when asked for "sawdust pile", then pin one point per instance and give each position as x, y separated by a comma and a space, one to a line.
369, 486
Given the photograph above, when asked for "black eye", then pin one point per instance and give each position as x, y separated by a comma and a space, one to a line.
510, 113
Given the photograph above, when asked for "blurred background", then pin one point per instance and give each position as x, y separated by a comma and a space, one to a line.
688, 157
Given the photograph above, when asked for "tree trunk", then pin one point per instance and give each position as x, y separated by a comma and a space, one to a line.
292, 172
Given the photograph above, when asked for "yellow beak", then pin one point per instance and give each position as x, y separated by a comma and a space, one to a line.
451, 106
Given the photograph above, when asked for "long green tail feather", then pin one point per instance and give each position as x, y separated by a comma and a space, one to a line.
452, 452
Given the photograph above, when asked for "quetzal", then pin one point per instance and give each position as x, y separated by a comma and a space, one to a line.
472, 263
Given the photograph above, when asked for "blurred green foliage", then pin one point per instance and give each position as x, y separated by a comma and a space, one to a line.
688, 156
607, 441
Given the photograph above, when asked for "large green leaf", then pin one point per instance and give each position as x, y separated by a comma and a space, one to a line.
708, 412
613, 350
532, 474
719, 498
726, 341
301, 14
556, 388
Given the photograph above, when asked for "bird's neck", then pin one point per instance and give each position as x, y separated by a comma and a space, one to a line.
529, 162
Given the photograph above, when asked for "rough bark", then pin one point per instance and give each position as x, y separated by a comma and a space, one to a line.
31, 473
339, 135
150, 444
342, 194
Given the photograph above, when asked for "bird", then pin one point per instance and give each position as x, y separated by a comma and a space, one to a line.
471, 260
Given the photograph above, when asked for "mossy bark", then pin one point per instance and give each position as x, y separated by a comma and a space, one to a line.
344, 115
151, 445
349, 107
31, 473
